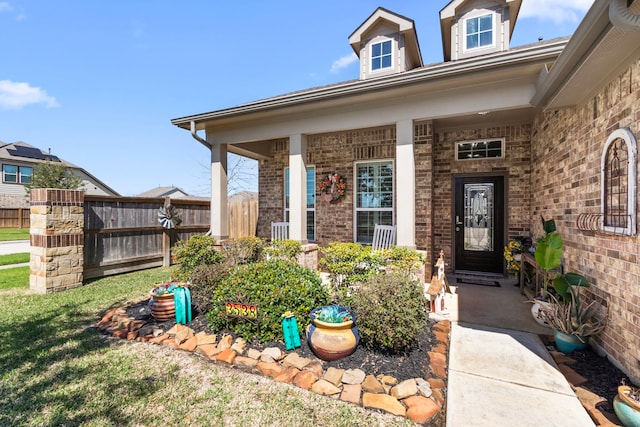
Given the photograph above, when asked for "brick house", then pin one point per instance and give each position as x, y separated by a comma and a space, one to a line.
465, 154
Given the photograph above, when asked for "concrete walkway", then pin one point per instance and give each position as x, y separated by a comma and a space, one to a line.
500, 373
14, 247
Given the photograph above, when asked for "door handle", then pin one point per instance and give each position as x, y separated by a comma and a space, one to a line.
458, 220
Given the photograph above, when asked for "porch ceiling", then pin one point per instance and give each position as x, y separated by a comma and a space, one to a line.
485, 118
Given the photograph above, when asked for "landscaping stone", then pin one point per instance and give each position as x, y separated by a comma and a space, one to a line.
160, 338
253, 353
372, 385
436, 383
269, 369
296, 361
334, 376
420, 409
561, 358
384, 402
190, 344
438, 397
131, 336
274, 352
387, 379
353, 376
287, 375
438, 363
351, 393
574, 378
170, 342
120, 333
324, 387
405, 389
225, 342
245, 362
136, 324
442, 337
208, 350
183, 335
315, 366
424, 388
239, 346
305, 379
227, 355
204, 339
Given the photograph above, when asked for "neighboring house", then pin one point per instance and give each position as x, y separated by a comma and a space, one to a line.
465, 154
171, 192
18, 162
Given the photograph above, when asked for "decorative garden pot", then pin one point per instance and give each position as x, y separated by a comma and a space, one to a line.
538, 313
627, 409
332, 341
162, 307
568, 343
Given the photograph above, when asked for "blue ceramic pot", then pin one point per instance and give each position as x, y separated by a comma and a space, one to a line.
568, 343
627, 410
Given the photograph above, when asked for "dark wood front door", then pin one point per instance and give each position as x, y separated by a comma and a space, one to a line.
478, 224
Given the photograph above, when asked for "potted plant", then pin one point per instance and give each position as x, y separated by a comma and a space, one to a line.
626, 405
332, 333
162, 302
572, 320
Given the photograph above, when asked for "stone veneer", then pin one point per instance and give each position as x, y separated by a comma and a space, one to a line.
567, 146
57, 239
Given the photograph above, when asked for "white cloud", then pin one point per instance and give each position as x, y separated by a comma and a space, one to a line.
5, 7
15, 95
557, 11
343, 62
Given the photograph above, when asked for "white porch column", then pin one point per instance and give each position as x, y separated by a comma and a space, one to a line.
219, 217
298, 188
405, 185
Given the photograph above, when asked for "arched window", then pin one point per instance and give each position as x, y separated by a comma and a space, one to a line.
619, 183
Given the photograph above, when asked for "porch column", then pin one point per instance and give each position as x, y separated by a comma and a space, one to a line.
405, 185
298, 188
219, 220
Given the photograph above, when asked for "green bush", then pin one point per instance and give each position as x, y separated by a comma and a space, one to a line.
243, 250
402, 259
284, 249
198, 250
275, 286
204, 280
391, 311
349, 264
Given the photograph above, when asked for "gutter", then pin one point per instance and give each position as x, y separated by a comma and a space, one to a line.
194, 134
533, 53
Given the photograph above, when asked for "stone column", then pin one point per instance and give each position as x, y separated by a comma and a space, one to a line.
57, 239
405, 185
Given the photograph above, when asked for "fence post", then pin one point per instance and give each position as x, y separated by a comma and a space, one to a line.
57, 239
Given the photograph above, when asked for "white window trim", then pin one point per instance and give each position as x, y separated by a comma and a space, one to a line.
392, 209
382, 69
502, 149
18, 174
632, 147
494, 21
315, 204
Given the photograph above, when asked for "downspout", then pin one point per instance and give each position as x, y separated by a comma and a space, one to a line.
195, 136
621, 17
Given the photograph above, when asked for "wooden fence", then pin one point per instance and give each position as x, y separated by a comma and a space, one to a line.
14, 218
123, 234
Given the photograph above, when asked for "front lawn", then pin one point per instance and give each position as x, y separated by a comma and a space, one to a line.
14, 234
57, 370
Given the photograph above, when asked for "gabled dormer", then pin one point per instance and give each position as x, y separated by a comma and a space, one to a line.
477, 27
386, 43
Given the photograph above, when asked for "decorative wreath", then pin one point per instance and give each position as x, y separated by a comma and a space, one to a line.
169, 216
333, 188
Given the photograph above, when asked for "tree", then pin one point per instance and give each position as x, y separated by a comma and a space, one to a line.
53, 175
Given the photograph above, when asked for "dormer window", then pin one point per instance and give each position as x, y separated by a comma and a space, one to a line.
479, 32
381, 55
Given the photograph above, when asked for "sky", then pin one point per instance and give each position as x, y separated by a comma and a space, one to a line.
98, 82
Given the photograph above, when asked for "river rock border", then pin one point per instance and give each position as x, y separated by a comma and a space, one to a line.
418, 399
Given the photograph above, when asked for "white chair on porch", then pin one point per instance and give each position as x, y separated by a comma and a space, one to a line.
384, 236
279, 230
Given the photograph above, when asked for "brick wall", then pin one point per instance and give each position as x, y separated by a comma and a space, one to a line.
567, 146
57, 240
516, 164
423, 151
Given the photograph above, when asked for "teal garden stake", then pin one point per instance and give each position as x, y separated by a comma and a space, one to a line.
290, 330
182, 300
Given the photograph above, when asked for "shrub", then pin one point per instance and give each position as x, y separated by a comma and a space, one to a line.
402, 259
284, 249
350, 263
391, 311
204, 280
243, 250
198, 250
275, 286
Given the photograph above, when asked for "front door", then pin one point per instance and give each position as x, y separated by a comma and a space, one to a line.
479, 223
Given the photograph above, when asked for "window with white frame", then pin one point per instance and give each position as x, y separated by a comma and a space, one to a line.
373, 190
618, 184
12, 174
480, 149
311, 201
479, 32
381, 55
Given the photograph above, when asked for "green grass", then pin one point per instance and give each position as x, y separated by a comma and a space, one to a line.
14, 278
57, 370
14, 234
14, 258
